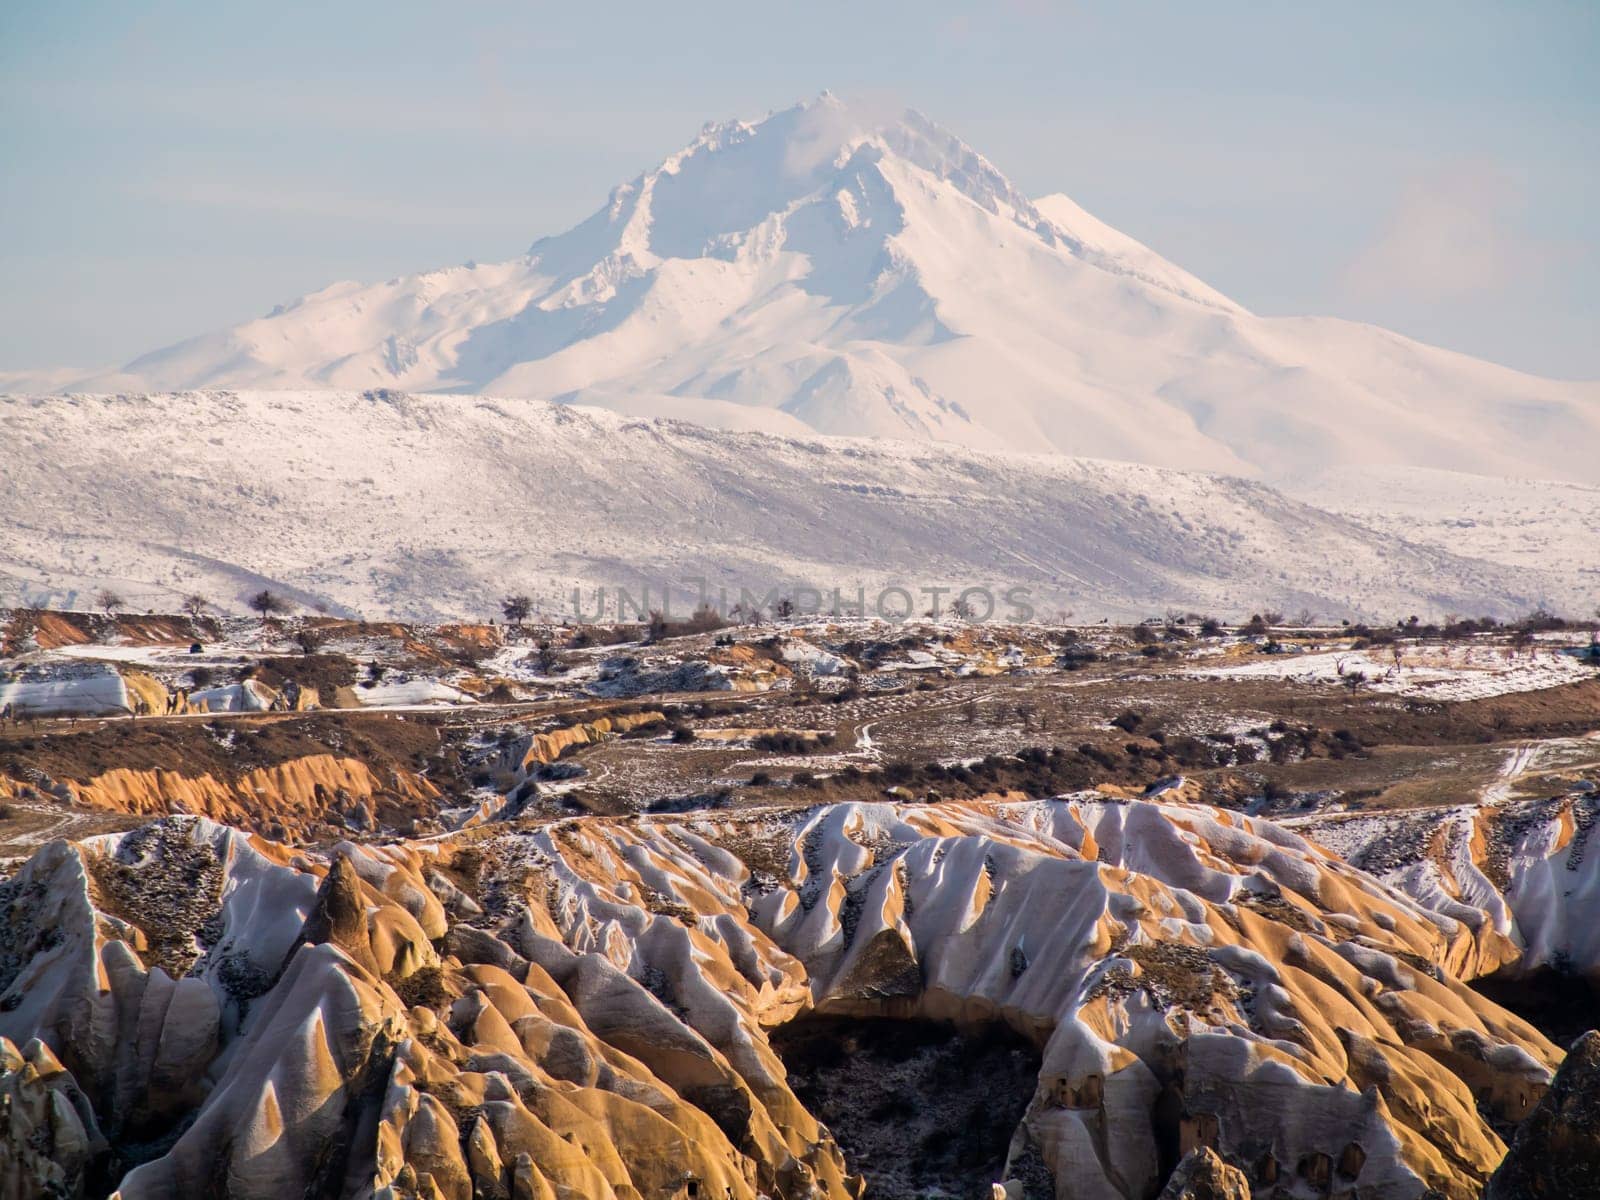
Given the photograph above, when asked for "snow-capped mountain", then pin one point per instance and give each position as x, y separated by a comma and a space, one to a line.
820, 271
434, 506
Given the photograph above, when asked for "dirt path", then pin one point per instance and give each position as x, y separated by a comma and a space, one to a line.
18, 845
864, 742
1518, 760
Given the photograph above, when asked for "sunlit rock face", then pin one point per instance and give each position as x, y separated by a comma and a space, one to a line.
596, 1008
1529, 869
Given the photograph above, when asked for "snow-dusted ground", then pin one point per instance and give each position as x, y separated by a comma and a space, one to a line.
84, 679
436, 506
1464, 673
826, 271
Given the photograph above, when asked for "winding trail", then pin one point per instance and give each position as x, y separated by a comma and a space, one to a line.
1518, 760
864, 742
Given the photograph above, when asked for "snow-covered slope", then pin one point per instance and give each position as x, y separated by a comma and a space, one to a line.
436, 505
1519, 523
821, 270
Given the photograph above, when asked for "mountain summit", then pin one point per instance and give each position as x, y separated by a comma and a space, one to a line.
826, 271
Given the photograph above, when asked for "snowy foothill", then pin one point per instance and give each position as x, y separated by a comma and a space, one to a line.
1527, 524
578, 501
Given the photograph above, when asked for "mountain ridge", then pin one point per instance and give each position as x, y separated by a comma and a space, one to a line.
824, 269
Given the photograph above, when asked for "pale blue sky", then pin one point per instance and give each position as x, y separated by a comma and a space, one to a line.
169, 168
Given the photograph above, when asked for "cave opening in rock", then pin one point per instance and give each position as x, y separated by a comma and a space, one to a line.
1559, 1004
920, 1108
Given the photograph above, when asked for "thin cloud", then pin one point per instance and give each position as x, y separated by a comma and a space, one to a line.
489, 113
1453, 233
282, 198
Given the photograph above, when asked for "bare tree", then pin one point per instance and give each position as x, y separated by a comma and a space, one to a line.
547, 660
656, 625
195, 605
268, 603
516, 609
783, 608
962, 609
803, 682
745, 614
108, 601
704, 619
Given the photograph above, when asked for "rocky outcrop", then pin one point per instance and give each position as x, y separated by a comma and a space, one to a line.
530, 750
287, 800
340, 915
587, 1008
48, 629
49, 1139
628, 675
53, 689
1556, 1152
85, 688
1203, 1176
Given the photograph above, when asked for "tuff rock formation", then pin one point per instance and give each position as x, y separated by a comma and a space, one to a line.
1529, 869
590, 1009
293, 798
1203, 1176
